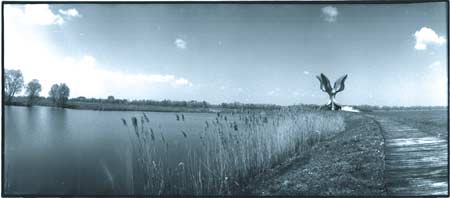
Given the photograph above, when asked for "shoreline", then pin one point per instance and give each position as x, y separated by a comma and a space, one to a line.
143, 108
148, 109
210, 108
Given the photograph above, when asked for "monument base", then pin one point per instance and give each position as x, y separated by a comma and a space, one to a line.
328, 107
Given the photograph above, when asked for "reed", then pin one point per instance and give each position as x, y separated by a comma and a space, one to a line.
229, 149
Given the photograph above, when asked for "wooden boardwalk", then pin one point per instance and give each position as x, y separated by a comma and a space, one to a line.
416, 162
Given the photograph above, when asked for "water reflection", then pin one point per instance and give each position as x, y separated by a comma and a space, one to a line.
63, 151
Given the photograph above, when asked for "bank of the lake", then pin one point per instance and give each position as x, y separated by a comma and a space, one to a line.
347, 164
148, 105
118, 107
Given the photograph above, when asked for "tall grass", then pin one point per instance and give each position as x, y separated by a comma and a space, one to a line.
227, 151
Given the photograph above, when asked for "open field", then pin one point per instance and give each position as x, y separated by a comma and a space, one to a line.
433, 122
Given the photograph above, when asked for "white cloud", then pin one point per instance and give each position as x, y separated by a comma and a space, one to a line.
41, 14
72, 12
435, 65
182, 82
330, 13
180, 43
274, 92
12, 12
306, 72
37, 14
86, 78
426, 36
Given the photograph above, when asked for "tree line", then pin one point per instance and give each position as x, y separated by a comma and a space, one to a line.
14, 83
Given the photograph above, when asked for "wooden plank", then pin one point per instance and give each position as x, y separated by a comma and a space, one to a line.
416, 163
438, 148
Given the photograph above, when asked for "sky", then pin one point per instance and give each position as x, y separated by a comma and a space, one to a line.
394, 54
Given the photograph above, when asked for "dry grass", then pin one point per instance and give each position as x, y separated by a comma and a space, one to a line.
350, 163
231, 148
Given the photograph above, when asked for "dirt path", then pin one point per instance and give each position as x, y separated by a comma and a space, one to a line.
416, 162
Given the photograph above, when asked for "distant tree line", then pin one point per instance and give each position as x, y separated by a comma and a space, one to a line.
238, 105
418, 107
171, 103
14, 84
59, 96
112, 100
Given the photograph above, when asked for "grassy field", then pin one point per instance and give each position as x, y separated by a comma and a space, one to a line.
234, 147
429, 121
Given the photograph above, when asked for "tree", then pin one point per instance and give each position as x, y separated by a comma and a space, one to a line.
33, 88
63, 94
205, 104
110, 99
13, 83
59, 94
53, 93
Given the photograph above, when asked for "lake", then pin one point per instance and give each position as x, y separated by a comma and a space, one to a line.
58, 151
64, 151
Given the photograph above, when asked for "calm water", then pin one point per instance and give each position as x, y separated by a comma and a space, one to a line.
63, 151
